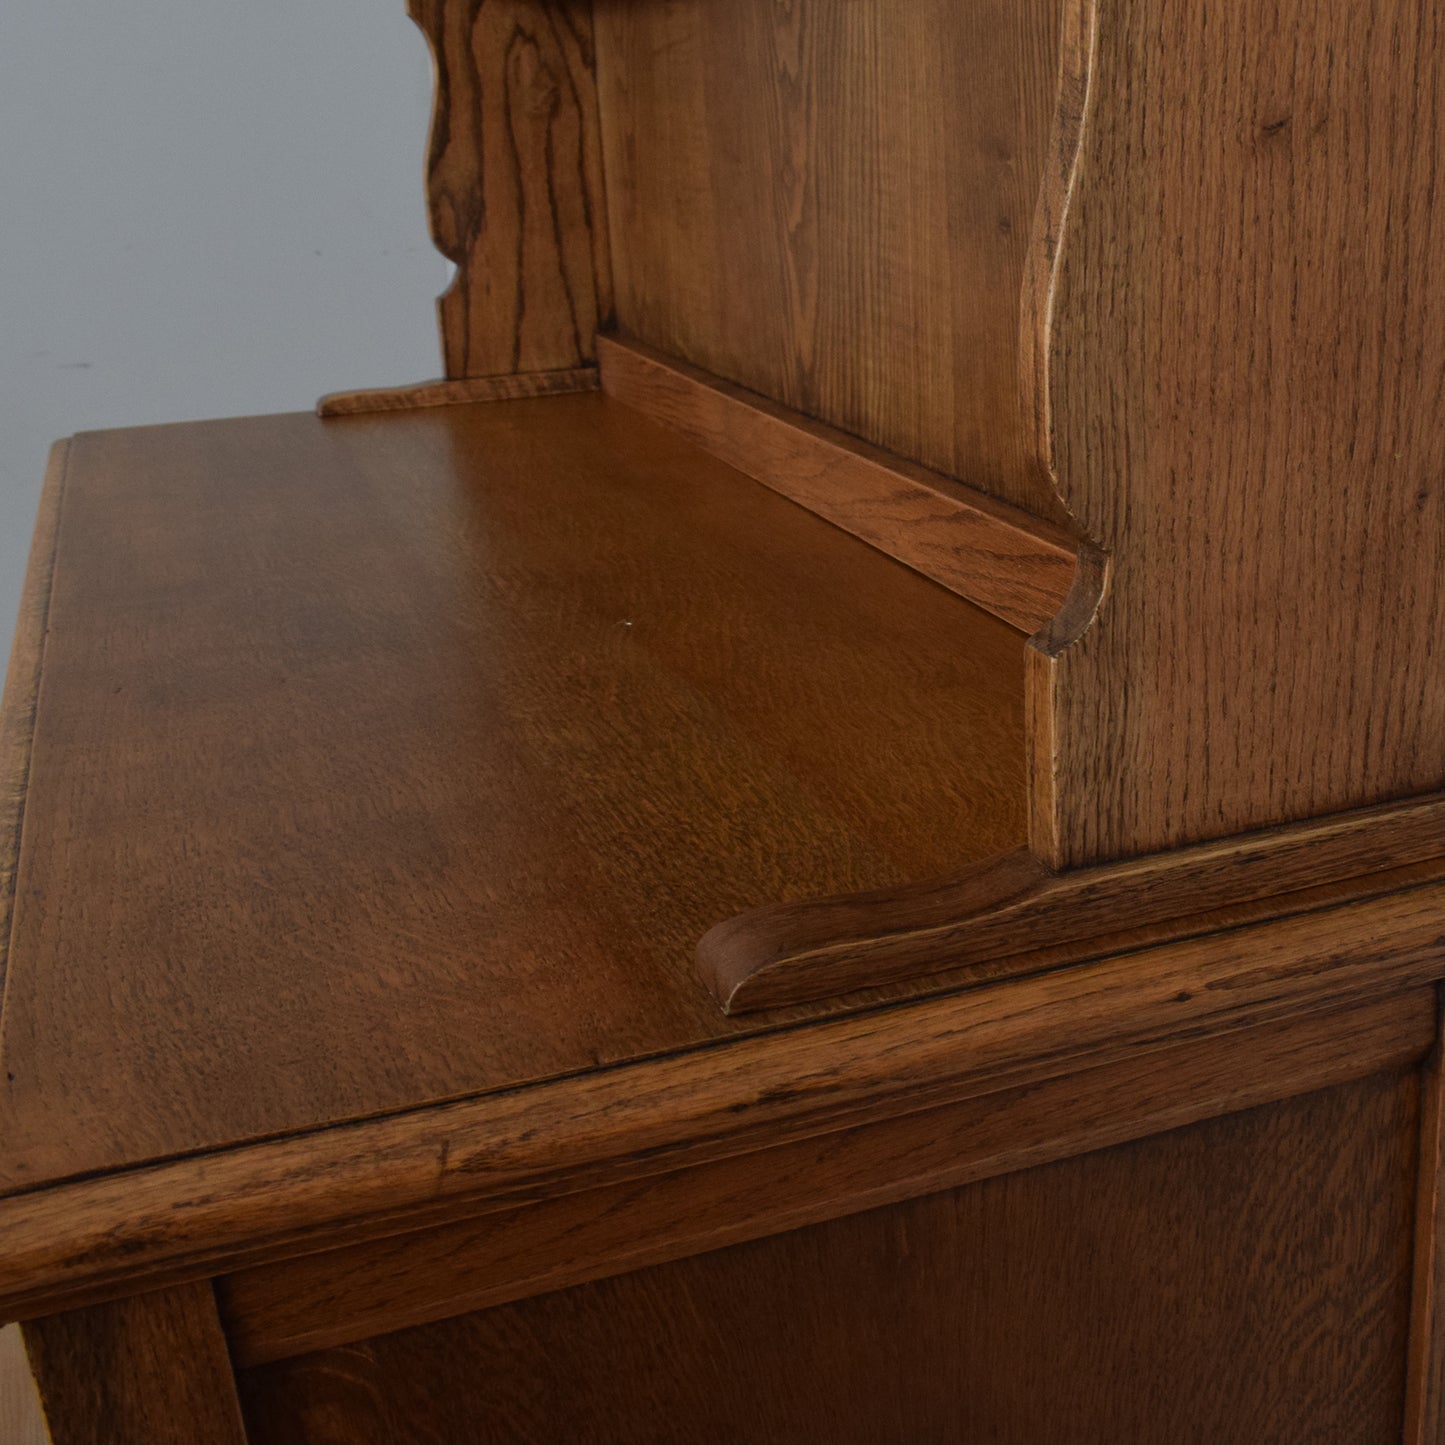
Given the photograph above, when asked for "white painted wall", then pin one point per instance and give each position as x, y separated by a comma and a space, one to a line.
205, 210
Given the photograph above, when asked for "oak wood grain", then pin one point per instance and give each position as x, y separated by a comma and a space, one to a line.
829, 203
1006, 562
201, 1216
1243, 1279
1245, 367
1015, 905
514, 184
148, 1370
343, 1296
392, 760
511, 387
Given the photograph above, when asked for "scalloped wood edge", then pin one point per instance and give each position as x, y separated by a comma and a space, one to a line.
1015, 908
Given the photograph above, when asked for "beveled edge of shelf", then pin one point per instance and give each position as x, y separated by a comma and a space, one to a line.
22, 688
457, 392
1005, 911
98, 1237
1014, 565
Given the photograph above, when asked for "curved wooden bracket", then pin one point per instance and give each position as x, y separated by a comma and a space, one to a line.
1015, 908
515, 186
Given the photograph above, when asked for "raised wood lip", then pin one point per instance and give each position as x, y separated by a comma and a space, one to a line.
1016, 566
99, 1237
1014, 905
458, 391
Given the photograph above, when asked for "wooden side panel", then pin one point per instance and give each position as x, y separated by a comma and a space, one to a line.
1244, 1279
829, 202
1245, 385
514, 184
338, 1296
149, 1370
1425, 1392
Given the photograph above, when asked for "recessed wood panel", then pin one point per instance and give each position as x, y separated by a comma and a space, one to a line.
829, 202
1244, 1279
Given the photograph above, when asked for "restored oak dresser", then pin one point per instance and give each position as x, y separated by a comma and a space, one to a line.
838, 836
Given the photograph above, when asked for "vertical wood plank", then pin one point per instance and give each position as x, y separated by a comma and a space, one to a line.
149, 1370
1245, 379
514, 184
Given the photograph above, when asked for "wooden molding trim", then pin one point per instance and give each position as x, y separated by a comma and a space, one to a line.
1014, 905
22, 685
98, 1237
1012, 565
454, 393
340, 1296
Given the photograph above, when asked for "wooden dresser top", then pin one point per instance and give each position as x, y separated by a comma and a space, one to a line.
389, 760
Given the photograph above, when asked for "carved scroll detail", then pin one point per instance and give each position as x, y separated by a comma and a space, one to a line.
514, 184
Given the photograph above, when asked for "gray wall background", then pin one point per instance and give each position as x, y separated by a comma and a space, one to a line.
206, 209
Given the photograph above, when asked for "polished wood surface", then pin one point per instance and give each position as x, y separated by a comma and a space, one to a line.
195, 1216
384, 761
514, 184
343, 1296
1014, 906
830, 203
1005, 561
367, 781
1243, 1279
149, 1370
512, 387
1243, 373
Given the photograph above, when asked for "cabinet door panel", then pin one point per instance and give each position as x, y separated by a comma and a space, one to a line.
1244, 1278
